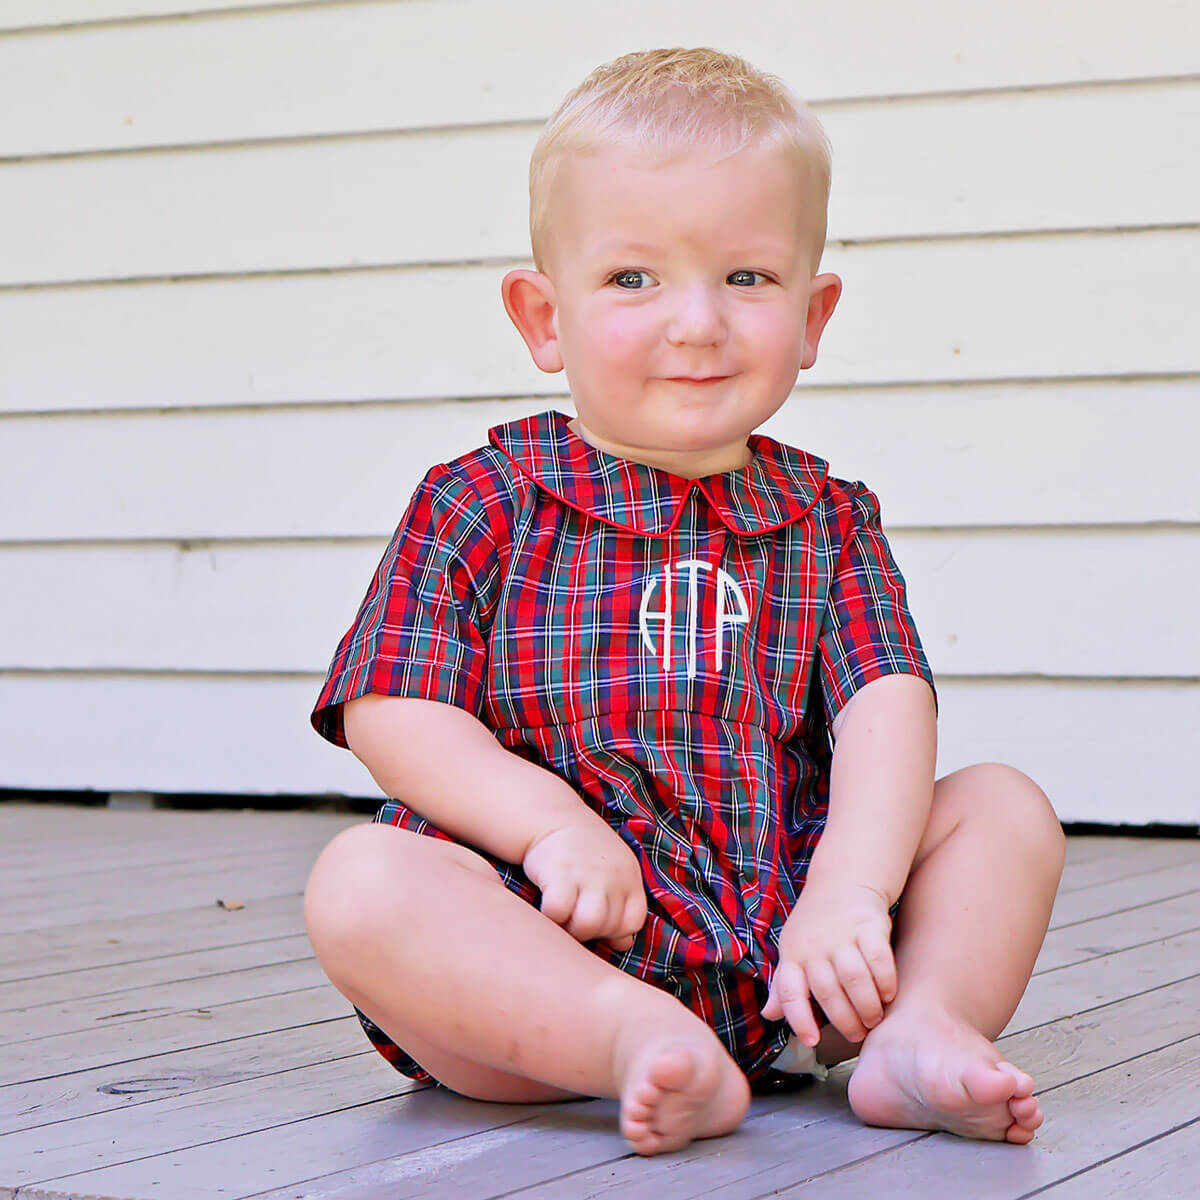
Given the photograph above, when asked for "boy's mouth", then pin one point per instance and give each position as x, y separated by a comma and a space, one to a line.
690, 379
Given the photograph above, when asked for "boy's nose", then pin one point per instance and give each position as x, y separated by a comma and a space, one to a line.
697, 319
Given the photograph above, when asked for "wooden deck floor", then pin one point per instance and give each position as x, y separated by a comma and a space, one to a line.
156, 1044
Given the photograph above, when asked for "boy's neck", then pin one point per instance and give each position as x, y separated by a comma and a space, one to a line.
684, 470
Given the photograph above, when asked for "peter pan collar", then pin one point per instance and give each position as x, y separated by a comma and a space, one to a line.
778, 486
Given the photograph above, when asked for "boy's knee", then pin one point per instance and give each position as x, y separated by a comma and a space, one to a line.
1024, 805
368, 873
341, 884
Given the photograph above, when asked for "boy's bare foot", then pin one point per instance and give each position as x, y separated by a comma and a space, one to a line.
923, 1068
676, 1089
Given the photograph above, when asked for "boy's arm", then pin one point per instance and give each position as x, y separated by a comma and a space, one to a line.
447, 766
881, 785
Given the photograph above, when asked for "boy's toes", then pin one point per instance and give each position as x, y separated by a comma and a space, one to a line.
1026, 1111
987, 1086
1024, 1080
1018, 1135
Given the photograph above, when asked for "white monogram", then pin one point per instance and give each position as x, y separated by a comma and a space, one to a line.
727, 587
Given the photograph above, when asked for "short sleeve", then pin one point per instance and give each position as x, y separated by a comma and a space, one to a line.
867, 630
422, 627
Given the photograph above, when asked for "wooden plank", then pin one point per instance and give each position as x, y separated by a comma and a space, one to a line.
577, 1146
76, 854
1084, 1127
334, 68
407, 198
1097, 981
1084, 849
280, 938
26, 824
138, 976
1165, 1004
581, 1140
54, 1104
108, 945
282, 606
82, 998
159, 891
1090, 847
62, 992
45, 1003
1137, 857
282, 1096
143, 883
1163, 1167
128, 1043
101, 1015
314, 338
79, 866
1124, 930
1088, 903
142, 475
771, 1158
295, 1149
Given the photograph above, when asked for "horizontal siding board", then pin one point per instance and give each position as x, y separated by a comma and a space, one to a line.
1122, 753
1058, 602
975, 309
295, 70
26, 14
974, 454
415, 198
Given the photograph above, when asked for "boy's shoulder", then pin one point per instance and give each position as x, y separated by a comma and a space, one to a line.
850, 501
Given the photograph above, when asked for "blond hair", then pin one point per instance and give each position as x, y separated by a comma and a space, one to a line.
673, 102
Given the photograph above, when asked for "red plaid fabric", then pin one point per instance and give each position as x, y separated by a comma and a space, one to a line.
674, 649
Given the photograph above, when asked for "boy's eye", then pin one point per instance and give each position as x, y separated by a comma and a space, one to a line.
618, 275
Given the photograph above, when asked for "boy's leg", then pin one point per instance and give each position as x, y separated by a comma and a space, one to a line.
972, 919
497, 1001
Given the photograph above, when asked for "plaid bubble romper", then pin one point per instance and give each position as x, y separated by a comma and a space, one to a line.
674, 649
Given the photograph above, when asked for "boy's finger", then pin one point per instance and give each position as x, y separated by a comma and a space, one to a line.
558, 902
837, 1005
882, 963
799, 1015
634, 916
855, 977
589, 918
789, 1000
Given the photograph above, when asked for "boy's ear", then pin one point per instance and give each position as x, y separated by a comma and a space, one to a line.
529, 301
822, 298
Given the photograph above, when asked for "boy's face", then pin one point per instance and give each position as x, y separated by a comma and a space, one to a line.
699, 269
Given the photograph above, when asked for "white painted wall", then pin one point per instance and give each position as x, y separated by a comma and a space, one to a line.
241, 253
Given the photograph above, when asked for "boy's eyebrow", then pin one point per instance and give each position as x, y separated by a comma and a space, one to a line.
616, 246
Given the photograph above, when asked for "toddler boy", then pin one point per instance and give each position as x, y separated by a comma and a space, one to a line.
644, 689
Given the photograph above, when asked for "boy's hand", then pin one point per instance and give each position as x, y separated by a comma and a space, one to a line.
591, 881
835, 945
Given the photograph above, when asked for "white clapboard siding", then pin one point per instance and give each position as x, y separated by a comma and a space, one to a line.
962, 309
250, 258
1000, 455
414, 198
289, 71
33, 14
1064, 602
1101, 751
